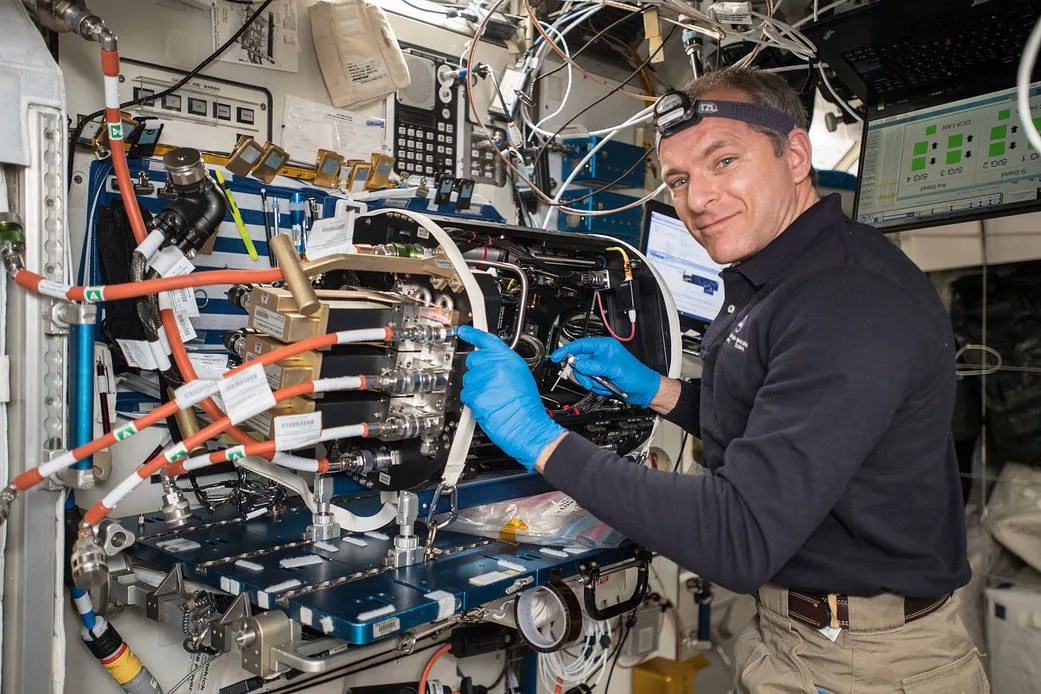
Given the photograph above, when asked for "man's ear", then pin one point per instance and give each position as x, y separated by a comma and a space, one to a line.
799, 154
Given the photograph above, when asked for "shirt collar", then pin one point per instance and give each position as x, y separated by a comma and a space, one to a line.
788, 247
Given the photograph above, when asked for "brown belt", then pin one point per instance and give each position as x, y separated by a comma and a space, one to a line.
830, 609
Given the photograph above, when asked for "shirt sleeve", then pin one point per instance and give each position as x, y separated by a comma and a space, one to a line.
840, 360
687, 412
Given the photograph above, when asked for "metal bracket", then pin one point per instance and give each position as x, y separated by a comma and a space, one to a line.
170, 588
231, 623
263, 638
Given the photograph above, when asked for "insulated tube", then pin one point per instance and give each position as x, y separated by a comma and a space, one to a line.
125, 667
81, 388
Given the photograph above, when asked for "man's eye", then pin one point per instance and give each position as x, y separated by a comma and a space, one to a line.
677, 183
725, 162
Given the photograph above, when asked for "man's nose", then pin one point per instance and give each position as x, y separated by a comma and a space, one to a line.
700, 193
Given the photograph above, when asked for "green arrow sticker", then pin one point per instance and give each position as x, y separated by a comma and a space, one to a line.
124, 432
236, 453
115, 131
93, 294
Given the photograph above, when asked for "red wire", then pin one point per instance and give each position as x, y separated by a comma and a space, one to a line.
607, 324
430, 666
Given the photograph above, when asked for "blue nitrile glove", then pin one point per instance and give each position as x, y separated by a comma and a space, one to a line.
605, 356
500, 390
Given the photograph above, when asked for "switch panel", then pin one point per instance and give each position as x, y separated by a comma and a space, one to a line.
428, 117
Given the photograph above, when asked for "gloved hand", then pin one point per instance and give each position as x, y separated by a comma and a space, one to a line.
605, 356
500, 390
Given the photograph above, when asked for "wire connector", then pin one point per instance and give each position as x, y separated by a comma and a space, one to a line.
7, 496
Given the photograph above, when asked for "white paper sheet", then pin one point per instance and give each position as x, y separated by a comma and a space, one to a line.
310, 126
270, 42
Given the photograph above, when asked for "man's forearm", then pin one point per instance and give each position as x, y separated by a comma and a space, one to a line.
667, 396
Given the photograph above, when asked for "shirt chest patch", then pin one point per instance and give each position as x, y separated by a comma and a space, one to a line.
736, 340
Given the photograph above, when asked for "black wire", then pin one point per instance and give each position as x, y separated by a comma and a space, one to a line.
597, 102
434, 10
82, 122
679, 458
586, 45
617, 653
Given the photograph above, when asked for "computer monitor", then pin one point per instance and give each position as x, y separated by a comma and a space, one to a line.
691, 275
963, 160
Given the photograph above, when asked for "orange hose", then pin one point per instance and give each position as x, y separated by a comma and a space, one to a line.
98, 511
184, 364
430, 666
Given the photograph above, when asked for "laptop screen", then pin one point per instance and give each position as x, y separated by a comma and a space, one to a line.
967, 159
691, 275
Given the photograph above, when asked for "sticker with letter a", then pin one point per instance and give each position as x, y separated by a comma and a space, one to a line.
93, 295
115, 131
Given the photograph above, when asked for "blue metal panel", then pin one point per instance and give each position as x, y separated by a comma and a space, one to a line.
615, 160
625, 225
348, 593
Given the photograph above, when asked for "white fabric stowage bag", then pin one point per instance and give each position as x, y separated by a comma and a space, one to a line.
358, 53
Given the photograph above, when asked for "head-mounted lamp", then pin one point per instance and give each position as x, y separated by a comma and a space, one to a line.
676, 111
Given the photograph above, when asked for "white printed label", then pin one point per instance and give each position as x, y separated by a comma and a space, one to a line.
268, 321
209, 365
732, 12
57, 290
195, 392
184, 300
184, 324
170, 262
261, 423
138, 354
387, 626
246, 394
330, 236
179, 544
297, 430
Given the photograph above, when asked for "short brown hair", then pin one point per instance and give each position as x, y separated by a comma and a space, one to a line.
763, 88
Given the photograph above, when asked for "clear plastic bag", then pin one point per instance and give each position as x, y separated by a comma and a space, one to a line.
552, 519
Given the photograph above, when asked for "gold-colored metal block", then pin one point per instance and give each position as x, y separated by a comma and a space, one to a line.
665, 676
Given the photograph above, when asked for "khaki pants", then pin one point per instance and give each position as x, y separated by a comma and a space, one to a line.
878, 653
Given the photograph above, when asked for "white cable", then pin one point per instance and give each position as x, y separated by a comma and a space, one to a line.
838, 99
1026, 67
575, 171
641, 116
4, 205
570, 80
813, 17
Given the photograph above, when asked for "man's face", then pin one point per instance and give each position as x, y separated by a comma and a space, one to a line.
728, 185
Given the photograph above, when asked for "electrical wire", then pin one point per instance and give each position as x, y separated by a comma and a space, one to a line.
607, 323
430, 666
618, 651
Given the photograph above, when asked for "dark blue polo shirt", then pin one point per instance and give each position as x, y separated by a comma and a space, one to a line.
824, 408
